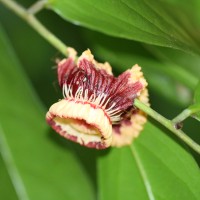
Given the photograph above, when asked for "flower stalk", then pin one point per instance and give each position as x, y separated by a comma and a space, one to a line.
168, 124
37, 7
28, 16
35, 24
193, 109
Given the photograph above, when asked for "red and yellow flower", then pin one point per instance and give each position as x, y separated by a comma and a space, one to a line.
97, 109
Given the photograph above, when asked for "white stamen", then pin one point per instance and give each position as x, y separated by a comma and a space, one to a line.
67, 91
92, 98
63, 91
103, 99
99, 100
86, 95
113, 112
85, 79
78, 94
104, 106
70, 92
108, 109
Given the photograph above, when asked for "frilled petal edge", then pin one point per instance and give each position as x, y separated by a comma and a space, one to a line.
80, 122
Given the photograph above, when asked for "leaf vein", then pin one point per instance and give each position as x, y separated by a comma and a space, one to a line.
142, 173
12, 168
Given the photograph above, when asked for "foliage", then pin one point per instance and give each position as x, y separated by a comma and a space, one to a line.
36, 163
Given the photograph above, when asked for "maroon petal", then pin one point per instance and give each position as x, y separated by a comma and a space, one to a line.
66, 65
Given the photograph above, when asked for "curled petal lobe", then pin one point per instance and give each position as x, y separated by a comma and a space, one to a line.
81, 123
97, 110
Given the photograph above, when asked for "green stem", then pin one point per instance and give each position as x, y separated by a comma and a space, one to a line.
35, 24
168, 124
186, 113
182, 116
52, 39
36, 7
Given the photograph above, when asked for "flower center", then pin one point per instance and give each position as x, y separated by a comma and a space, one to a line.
100, 101
78, 125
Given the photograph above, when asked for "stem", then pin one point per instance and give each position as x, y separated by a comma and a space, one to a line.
35, 24
36, 7
168, 124
186, 113
182, 116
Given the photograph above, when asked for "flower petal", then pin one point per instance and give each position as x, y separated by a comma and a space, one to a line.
125, 132
87, 60
81, 122
66, 65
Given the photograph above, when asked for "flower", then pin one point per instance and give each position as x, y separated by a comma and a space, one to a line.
97, 109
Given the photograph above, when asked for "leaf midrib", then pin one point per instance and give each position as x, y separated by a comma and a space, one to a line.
12, 168
142, 173
164, 164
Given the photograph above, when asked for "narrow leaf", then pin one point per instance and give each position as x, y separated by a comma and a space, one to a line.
40, 165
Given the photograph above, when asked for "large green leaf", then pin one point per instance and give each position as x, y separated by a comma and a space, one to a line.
168, 79
153, 168
152, 22
191, 7
6, 189
38, 167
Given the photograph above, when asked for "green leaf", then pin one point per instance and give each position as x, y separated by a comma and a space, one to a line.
40, 164
177, 82
192, 8
153, 168
197, 101
197, 94
153, 22
6, 189
182, 64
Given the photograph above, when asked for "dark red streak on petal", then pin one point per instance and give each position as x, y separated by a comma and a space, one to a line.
119, 90
63, 69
